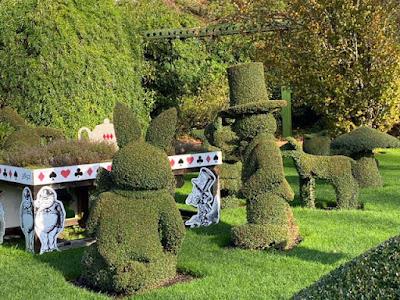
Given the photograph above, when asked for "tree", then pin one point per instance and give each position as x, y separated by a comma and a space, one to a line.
343, 61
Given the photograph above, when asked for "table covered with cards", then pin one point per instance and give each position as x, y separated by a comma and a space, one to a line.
42, 201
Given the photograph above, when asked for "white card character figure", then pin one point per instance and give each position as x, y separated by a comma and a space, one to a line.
49, 219
26, 219
203, 198
2, 224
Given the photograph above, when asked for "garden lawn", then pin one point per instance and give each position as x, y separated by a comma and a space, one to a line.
330, 238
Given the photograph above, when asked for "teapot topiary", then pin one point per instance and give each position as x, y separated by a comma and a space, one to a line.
136, 223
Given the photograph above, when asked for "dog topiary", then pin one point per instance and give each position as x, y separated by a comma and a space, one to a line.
337, 170
138, 227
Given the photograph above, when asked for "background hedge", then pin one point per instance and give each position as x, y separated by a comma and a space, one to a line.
66, 63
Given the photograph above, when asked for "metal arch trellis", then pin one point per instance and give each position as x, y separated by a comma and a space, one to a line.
275, 24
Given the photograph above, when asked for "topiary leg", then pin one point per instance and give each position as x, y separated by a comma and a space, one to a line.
307, 191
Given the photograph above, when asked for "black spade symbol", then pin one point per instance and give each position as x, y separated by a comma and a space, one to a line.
216, 157
200, 160
5, 173
78, 173
15, 174
180, 161
53, 175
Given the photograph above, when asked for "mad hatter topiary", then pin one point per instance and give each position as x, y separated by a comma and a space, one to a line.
270, 222
136, 223
359, 145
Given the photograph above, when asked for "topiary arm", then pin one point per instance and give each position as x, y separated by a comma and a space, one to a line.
162, 129
126, 125
171, 226
94, 216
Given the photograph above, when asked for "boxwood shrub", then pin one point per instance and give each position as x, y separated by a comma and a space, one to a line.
65, 63
372, 275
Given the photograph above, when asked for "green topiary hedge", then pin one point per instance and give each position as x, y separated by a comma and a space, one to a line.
161, 131
359, 144
337, 170
372, 275
248, 127
136, 223
65, 63
138, 236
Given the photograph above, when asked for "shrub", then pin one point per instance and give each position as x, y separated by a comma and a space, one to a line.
122, 260
248, 127
139, 204
161, 131
359, 144
69, 60
337, 170
372, 275
59, 153
230, 178
317, 144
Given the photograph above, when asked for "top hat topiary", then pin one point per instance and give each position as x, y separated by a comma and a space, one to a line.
248, 93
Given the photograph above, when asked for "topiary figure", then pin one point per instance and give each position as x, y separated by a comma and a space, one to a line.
359, 145
337, 170
317, 143
270, 220
137, 225
24, 135
372, 275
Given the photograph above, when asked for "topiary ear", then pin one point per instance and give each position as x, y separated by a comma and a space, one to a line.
162, 129
126, 125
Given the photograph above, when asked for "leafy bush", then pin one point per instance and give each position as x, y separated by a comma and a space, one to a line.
372, 275
59, 153
66, 63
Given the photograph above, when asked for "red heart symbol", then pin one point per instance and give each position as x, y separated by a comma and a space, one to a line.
65, 173
109, 168
171, 162
190, 159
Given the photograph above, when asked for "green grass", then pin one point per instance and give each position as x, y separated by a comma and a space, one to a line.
331, 238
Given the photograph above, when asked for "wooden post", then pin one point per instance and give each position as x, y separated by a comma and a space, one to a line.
286, 113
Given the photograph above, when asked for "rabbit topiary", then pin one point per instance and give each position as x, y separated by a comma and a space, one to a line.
135, 220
